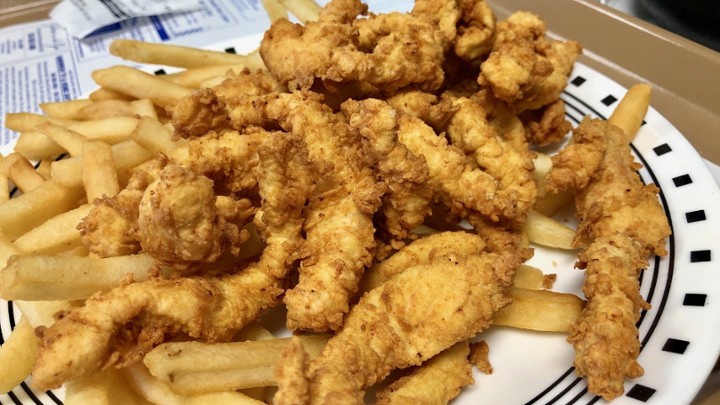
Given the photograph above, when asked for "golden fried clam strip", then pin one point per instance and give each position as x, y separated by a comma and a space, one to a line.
339, 230
119, 327
407, 200
621, 223
511, 166
401, 323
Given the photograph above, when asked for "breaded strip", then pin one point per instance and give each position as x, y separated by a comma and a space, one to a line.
402, 323
119, 327
407, 200
435, 382
621, 223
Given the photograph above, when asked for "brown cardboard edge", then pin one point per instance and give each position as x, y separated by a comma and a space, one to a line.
25, 12
685, 75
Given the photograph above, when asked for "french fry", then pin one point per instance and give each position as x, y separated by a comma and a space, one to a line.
99, 175
194, 367
532, 278
17, 355
540, 310
158, 392
542, 166
23, 213
153, 136
22, 121
139, 84
143, 108
631, 110
7, 250
43, 168
105, 109
178, 56
58, 278
552, 203
212, 82
106, 387
35, 145
304, 10
21, 172
42, 313
547, 231
69, 140
4, 188
107, 94
55, 235
195, 77
275, 10
69, 172
65, 109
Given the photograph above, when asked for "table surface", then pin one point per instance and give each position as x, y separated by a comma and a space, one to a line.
17, 11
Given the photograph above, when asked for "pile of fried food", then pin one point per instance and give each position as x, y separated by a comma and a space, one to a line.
323, 180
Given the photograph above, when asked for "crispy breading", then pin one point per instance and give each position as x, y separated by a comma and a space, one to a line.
119, 327
435, 382
547, 125
574, 166
407, 200
293, 384
394, 326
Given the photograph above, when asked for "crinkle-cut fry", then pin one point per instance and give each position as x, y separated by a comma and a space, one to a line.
630, 111
139, 84
158, 392
179, 56
106, 94
23, 121
65, 109
21, 172
436, 381
540, 310
71, 141
55, 235
23, 213
304, 10
127, 154
107, 387
275, 10
39, 277
100, 177
17, 354
196, 76
194, 367
547, 231
143, 107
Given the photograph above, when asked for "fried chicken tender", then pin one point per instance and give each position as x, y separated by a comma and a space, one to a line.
525, 68
339, 230
340, 48
407, 200
293, 384
111, 227
433, 110
199, 113
621, 223
420, 251
605, 337
435, 382
396, 326
455, 181
547, 125
180, 225
512, 167
119, 327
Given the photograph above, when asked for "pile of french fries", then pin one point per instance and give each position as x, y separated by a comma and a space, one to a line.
103, 139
